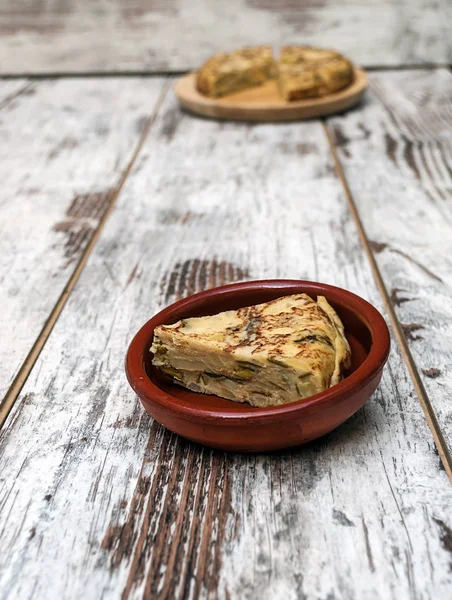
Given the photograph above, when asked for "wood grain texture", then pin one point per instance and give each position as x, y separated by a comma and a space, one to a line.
167, 35
65, 145
265, 103
397, 156
97, 500
10, 89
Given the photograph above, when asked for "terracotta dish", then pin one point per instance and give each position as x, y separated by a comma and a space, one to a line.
227, 425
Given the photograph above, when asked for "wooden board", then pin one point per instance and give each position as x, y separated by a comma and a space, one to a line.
58, 36
97, 501
264, 102
397, 156
65, 146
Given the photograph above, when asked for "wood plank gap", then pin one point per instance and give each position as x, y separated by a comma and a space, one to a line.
410, 67
92, 74
424, 400
180, 72
25, 370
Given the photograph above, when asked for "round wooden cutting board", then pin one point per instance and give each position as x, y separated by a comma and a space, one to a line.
264, 103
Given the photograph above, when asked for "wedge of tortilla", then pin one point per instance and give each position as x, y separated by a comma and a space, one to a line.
267, 355
306, 72
231, 72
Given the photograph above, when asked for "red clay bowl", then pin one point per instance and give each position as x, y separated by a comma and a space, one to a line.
228, 425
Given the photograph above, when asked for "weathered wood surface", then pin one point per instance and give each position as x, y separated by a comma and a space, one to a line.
64, 147
98, 501
10, 89
397, 155
168, 35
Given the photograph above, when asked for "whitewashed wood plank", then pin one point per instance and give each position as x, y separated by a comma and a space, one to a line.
98, 501
170, 35
397, 156
10, 88
64, 146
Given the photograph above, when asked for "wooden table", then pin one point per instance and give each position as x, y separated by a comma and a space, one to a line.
114, 203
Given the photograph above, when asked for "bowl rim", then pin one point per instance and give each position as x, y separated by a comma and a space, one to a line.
144, 387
